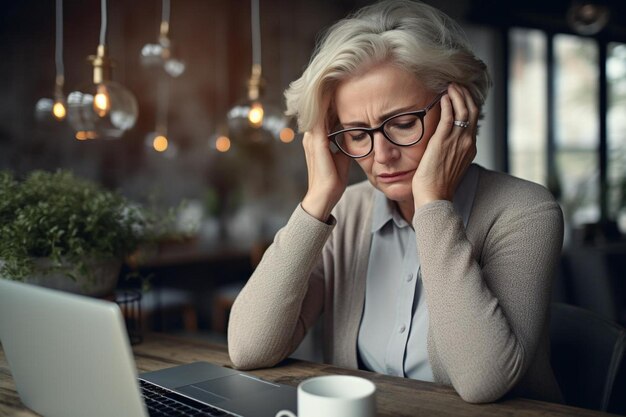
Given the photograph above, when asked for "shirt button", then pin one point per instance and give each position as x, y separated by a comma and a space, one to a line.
409, 277
402, 328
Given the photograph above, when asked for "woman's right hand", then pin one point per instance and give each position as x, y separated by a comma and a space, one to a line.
328, 173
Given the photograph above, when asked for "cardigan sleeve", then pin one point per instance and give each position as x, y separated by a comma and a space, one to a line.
283, 297
487, 315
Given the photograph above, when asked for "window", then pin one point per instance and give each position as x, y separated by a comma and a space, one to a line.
556, 134
576, 126
527, 109
616, 131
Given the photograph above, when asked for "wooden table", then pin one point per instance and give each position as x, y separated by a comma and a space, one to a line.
396, 397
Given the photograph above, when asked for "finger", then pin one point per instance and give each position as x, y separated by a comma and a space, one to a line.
305, 143
474, 112
458, 103
470, 133
313, 145
446, 119
308, 145
469, 104
465, 137
444, 125
466, 112
319, 129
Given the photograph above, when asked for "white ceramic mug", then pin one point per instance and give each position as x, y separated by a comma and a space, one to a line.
335, 396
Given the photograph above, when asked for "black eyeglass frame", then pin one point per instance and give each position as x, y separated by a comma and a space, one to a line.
381, 128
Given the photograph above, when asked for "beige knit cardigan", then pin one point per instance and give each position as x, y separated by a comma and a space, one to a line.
487, 285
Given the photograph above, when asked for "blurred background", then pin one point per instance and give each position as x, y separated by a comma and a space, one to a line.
556, 115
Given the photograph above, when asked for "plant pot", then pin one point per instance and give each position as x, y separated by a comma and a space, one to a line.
101, 281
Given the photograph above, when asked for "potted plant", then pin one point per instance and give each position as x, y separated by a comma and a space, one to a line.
61, 231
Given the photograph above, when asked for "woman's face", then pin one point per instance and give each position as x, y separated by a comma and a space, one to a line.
367, 100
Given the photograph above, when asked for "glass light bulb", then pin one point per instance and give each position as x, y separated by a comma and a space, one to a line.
286, 135
587, 18
43, 107
50, 111
222, 144
255, 114
151, 55
255, 122
58, 110
85, 134
174, 67
107, 109
102, 101
159, 55
160, 143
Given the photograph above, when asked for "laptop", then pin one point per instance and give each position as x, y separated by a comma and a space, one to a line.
70, 356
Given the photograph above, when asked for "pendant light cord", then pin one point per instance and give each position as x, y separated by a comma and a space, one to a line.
58, 53
164, 29
165, 13
163, 98
103, 24
256, 32
221, 72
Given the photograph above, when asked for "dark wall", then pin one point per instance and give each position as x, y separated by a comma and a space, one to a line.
212, 37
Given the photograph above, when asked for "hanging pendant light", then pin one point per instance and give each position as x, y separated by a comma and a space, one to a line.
159, 140
105, 108
254, 119
219, 141
56, 108
587, 17
160, 54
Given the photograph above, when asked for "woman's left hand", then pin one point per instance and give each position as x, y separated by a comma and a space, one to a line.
450, 150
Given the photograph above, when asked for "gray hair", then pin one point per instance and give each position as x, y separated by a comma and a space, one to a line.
409, 34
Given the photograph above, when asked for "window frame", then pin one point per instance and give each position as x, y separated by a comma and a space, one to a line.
552, 174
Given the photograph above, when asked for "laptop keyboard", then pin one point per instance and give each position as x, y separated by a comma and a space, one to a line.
165, 403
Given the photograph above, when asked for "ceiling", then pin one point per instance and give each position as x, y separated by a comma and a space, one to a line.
549, 15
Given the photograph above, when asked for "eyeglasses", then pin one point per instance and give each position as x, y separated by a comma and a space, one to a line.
404, 129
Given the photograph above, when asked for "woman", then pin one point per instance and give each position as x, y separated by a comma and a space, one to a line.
434, 268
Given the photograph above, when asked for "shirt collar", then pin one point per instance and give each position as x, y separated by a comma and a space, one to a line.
386, 210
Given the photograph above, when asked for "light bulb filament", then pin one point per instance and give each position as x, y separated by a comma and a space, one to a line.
255, 115
102, 101
160, 143
286, 135
222, 144
86, 134
58, 110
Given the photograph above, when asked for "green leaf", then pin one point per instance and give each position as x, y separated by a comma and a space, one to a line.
60, 216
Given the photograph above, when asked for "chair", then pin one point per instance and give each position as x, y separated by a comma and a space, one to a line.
617, 403
587, 353
160, 307
591, 283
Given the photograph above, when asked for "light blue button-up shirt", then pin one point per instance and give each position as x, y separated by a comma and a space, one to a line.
394, 328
